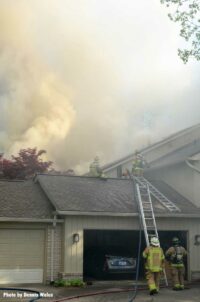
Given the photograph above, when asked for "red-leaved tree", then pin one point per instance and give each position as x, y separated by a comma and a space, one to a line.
25, 165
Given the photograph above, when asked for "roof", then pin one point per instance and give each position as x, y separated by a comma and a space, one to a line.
81, 194
179, 146
23, 199
184, 204
88, 194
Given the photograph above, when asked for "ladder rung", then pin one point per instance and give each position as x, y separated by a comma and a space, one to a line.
144, 189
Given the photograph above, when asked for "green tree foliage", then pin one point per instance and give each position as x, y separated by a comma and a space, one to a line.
187, 14
25, 165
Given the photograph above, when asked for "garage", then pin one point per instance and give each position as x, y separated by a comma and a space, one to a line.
22, 255
99, 243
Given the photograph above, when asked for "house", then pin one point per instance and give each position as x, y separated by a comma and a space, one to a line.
62, 225
102, 214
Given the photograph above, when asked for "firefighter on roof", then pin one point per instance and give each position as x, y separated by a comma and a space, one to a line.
95, 170
175, 255
138, 164
154, 264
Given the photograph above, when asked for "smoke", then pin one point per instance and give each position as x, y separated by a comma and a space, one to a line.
35, 106
85, 78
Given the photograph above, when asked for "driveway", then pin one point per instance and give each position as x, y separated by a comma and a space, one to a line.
113, 295
166, 295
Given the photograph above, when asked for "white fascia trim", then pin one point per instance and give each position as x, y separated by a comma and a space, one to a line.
10, 219
168, 215
192, 166
177, 215
78, 213
155, 145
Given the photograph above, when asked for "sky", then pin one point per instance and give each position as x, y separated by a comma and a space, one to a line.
81, 78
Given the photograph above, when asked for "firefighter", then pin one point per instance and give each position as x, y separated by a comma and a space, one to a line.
95, 170
175, 255
154, 264
138, 164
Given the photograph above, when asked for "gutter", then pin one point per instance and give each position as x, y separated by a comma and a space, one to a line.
80, 213
192, 166
110, 214
11, 219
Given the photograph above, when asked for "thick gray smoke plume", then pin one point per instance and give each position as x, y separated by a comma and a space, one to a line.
85, 78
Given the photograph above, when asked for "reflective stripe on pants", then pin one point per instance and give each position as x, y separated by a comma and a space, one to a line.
153, 280
178, 276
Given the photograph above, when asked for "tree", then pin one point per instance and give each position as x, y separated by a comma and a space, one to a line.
25, 165
187, 13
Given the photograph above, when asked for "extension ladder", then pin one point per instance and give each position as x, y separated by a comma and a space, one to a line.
147, 214
157, 194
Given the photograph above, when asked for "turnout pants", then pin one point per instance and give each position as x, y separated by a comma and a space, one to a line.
153, 280
178, 274
138, 171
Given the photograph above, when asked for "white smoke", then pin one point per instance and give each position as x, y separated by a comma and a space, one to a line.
89, 78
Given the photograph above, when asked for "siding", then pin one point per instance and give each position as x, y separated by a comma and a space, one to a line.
182, 178
73, 260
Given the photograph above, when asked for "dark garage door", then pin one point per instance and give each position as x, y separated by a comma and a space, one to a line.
99, 243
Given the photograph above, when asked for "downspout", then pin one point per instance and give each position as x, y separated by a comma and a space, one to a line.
52, 248
192, 166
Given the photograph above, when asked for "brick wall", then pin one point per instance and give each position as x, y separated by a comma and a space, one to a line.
57, 252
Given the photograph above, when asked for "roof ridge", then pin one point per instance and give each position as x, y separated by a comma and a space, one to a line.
171, 136
84, 177
13, 180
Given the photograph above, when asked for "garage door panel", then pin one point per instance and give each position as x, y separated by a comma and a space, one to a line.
21, 255
18, 276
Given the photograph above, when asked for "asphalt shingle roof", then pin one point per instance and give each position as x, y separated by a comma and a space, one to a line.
184, 204
91, 194
23, 199
69, 193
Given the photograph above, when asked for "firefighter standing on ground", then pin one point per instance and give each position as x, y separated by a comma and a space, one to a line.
154, 264
175, 255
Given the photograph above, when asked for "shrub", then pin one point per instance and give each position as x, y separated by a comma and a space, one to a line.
68, 283
76, 282
60, 282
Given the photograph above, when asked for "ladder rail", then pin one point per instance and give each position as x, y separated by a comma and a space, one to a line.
142, 214
151, 205
158, 195
150, 216
142, 211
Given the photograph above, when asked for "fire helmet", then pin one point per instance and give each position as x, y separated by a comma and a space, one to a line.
154, 241
175, 241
